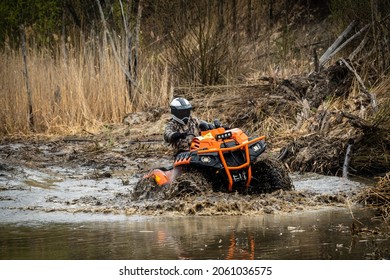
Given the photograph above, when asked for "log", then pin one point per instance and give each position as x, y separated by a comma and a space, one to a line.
336, 43
347, 158
344, 44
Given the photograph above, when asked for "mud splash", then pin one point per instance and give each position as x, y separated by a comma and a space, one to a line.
60, 190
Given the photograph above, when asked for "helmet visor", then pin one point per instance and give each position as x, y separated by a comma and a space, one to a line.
182, 114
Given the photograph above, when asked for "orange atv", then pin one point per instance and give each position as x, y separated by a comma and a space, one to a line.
221, 160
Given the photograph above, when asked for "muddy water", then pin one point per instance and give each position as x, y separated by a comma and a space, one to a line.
86, 213
323, 234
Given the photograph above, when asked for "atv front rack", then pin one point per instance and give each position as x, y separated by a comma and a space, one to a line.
207, 157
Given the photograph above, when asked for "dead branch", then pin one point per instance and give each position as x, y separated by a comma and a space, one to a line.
359, 79
357, 121
316, 61
359, 48
336, 43
344, 44
347, 158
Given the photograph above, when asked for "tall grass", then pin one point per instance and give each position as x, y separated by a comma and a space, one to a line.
81, 89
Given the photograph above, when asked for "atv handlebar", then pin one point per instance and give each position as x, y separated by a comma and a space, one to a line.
204, 126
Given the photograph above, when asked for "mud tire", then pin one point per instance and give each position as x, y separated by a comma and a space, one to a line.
189, 183
146, 189
269, 175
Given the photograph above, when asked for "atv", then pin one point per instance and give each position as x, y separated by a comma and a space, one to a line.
220, 159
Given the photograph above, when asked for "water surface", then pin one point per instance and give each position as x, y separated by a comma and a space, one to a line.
59, 213
321, 234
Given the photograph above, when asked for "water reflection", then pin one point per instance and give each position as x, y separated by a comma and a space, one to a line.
321, 234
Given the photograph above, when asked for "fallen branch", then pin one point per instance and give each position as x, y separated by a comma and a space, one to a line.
343, 45
333, 47
347, 158
359, 79
359, 48
357, 121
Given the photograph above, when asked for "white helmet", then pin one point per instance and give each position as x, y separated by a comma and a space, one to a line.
181, 110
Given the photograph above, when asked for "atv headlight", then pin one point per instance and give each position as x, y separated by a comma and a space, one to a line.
256, 147
205, 159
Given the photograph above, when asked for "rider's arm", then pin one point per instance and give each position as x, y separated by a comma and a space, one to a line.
172, 133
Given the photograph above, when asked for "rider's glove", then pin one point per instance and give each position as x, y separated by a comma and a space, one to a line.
203, 126
179, 135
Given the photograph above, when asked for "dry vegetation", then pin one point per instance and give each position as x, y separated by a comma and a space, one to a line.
378, 197
83, 92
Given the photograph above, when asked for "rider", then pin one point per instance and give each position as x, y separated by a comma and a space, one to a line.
182, 127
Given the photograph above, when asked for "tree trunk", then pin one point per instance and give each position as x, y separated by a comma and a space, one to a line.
63, 37
25, 72
249, 20
132, 56
235, 30
136, 43
271, 12
221, 12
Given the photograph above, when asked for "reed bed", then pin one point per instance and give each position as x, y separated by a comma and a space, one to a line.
82, 89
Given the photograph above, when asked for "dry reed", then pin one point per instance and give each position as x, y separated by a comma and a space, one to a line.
378, 196
82, 90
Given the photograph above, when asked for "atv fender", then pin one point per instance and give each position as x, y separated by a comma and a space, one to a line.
163, 176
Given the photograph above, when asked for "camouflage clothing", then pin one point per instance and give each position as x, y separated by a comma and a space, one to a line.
173, 126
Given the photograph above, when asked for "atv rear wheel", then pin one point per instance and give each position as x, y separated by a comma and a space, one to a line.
269, 175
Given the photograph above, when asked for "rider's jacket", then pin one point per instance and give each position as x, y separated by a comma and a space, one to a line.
180, 145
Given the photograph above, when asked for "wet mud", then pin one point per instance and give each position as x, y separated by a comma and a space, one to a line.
73, 177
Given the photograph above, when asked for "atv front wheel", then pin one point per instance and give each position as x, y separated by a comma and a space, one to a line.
269, 175
190, 182
146, 188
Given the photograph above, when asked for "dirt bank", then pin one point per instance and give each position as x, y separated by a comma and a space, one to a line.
309, 119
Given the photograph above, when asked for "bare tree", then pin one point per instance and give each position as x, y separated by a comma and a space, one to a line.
130, 67
25, 73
